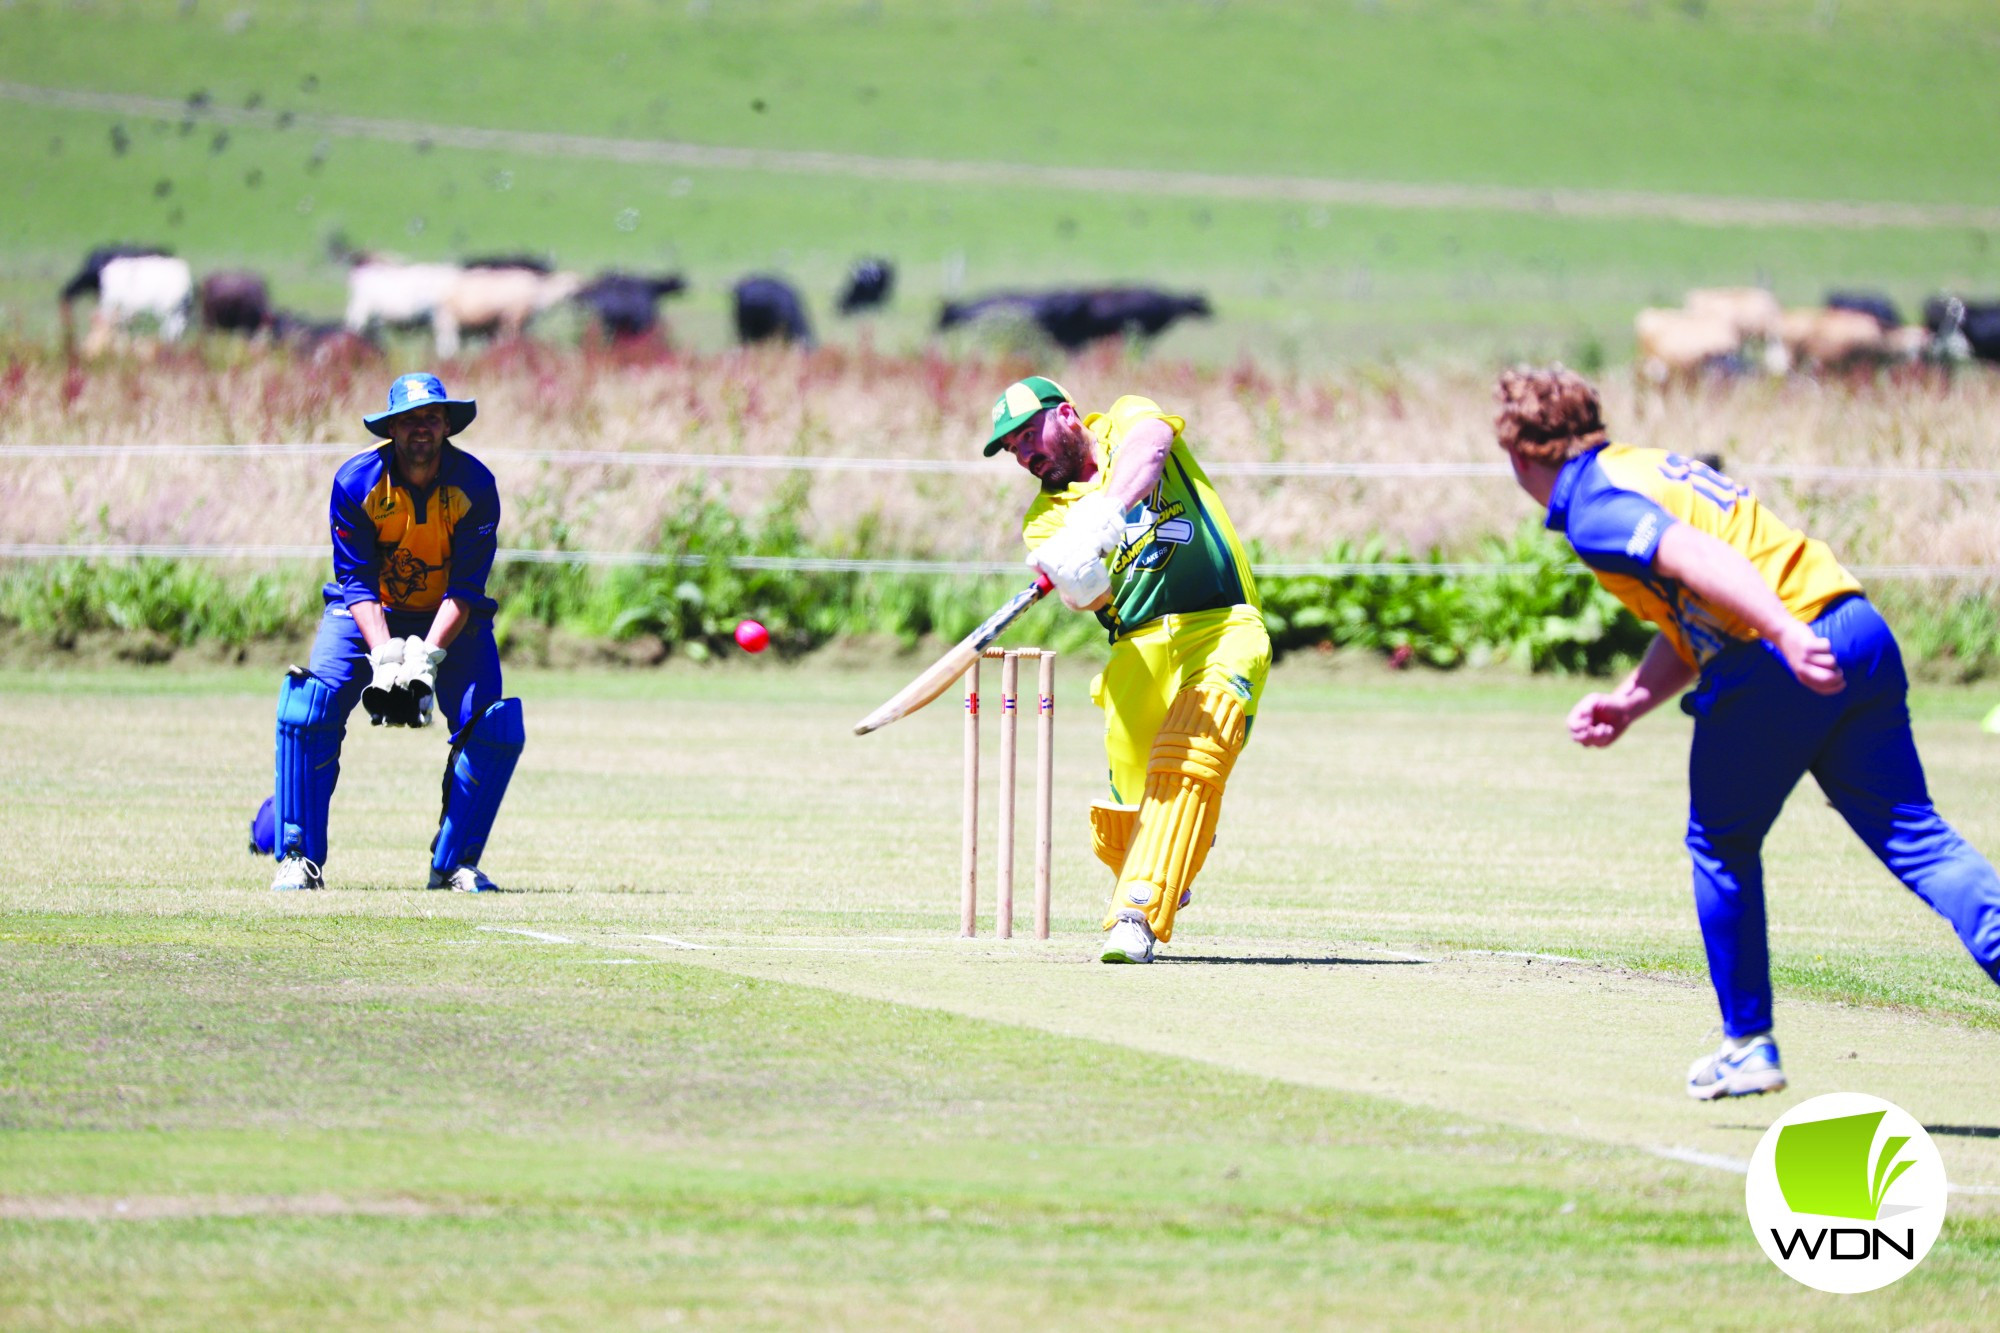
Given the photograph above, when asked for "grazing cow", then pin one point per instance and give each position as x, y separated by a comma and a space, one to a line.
498, 302
1874, 304
1074, 319
90, 276
869, 284
235, 302
1122, 312
1972, 327
767, 308
87, 278
998, 305
626, 305
1680, 344
321, 341
392, 293
136, 287
533, 262
1832, 339
1753, 312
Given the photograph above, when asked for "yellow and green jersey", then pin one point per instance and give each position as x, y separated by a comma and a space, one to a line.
1615, 501
1179, 553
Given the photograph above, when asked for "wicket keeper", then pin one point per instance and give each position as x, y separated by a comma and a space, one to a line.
1189, 653
408, 628
1793, 670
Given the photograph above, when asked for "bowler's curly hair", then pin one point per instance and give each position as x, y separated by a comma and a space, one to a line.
1548, 414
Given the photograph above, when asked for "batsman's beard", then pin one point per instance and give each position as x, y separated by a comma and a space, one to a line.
1066, 461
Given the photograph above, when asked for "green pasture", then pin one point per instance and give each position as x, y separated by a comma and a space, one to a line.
1867, 102
718, 1058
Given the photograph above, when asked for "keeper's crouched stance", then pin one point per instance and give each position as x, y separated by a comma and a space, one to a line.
1189, 651
407, 632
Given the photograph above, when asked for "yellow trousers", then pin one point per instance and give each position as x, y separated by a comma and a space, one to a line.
1151, 667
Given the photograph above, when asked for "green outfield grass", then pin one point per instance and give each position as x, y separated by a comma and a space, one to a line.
1351, 1098
1864, 102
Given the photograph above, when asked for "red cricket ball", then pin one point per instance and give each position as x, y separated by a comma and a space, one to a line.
752, 637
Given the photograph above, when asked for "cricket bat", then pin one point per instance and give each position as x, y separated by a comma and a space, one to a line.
939, 676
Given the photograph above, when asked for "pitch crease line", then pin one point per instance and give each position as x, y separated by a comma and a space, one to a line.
531, 934
1742, 1168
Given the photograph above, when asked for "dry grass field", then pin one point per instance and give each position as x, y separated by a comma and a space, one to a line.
837, 403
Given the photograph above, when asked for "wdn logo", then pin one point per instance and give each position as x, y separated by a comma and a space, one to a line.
1846, 1192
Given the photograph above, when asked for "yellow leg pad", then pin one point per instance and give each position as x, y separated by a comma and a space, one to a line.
1111, 827
1192, 755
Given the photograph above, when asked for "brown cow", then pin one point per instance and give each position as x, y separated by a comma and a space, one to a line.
497, 301
1847, 339
234, 301
1753, 312
1678, 344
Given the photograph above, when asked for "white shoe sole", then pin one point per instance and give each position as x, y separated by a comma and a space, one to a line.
1744, 1085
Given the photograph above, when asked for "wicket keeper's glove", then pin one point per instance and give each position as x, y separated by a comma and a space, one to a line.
1074, 558
379, 695
418, 678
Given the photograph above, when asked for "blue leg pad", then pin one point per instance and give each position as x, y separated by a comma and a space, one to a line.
482, 763
309, 736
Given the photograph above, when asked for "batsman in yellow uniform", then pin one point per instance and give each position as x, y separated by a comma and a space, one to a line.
1128, 526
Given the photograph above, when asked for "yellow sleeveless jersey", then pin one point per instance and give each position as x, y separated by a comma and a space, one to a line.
1179, 554
1615, 501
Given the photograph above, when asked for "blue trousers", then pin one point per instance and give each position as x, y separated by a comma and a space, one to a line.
1757, 732
468, 682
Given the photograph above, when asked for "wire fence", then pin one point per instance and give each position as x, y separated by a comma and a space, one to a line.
1833, 473
842, 565
634, 458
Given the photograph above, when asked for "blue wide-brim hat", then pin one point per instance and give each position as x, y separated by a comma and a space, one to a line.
420, 390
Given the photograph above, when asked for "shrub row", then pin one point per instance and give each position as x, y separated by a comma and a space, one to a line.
1547, 614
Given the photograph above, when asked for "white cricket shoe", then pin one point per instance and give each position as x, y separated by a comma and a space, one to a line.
463, 879
296, 872
1739, 1069
1130, 940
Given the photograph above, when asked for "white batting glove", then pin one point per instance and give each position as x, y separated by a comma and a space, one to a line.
419, 676
378, 696
1074, 558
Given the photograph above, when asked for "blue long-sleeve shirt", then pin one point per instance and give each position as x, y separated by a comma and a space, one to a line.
411, 547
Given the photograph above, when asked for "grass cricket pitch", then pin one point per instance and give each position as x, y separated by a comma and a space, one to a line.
719, 1058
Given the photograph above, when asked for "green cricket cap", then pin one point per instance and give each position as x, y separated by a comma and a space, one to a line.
1022, 400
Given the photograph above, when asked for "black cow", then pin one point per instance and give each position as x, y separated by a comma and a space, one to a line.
534, 263
87, 278
627, 304
234, 302
321, 340
1867, 303
1977, 321
869, 283
767, 308
1075, 319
